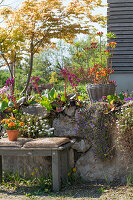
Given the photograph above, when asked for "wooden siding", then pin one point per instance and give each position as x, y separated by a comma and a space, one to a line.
120, 22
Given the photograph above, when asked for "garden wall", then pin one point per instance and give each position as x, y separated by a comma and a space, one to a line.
82, 157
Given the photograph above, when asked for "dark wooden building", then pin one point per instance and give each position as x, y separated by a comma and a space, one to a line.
120, 22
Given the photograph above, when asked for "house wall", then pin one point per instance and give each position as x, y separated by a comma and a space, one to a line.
120, 22
124, 81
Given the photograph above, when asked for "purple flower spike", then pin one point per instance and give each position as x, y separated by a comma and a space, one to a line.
10, 82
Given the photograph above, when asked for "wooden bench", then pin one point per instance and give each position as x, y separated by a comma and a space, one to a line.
57, 147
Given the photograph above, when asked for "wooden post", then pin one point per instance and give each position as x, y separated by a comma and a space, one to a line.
64, 165
56, 170
0, 169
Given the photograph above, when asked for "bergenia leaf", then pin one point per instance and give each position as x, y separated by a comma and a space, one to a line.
63, 98
4, 105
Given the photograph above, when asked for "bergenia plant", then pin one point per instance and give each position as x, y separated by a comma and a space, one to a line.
34, 81
3, 92
72, 78
65, 72
10, 84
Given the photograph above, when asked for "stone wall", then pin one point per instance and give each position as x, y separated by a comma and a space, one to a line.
81, 155
88, 166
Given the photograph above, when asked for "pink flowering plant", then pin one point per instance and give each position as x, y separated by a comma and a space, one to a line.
34, 81
4, 92
53, 100
72, 79
7, 97
10, 84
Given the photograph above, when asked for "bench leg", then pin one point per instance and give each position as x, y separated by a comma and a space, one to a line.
64, 165
56, 170
0, 169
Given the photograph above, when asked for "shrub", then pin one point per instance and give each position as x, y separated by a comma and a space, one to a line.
125, 130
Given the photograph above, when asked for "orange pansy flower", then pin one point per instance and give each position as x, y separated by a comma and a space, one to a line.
12, 124
12, 118
6, 120
21, 123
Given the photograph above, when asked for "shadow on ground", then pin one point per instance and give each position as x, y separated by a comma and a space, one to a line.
80, 191
72, 191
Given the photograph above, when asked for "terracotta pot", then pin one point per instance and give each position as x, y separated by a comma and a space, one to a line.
12, 135
96, 91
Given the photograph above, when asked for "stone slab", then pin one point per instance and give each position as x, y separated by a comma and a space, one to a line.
63, 127
4, 142
47, 142
81, 146
36, 110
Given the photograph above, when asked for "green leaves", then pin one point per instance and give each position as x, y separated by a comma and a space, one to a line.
3, 105
80, 98
46, 103
63, 98
111, 35
112, 98
52, 94
11, 104
121, 96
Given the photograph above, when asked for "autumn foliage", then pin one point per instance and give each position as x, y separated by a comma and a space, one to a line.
30, 29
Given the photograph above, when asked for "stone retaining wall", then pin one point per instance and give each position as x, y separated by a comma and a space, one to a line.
81, 155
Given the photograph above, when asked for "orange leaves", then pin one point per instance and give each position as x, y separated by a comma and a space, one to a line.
6, 11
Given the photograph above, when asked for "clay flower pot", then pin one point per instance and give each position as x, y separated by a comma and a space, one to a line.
12, 135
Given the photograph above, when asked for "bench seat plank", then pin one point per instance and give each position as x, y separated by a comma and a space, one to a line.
47, 142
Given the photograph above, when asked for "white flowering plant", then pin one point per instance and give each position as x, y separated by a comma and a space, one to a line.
35, 126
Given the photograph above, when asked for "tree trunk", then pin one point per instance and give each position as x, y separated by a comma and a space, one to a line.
12, 75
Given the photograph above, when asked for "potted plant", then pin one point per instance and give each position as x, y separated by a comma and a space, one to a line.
12, 126
99, 75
